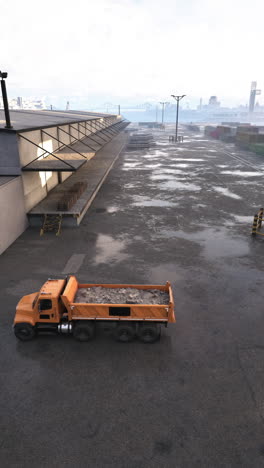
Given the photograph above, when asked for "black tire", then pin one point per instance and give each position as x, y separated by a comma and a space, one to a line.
149, 332
84, 331
24, 331
125, 332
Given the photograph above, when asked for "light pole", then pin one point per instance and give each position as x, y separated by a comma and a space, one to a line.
3, 75
177, 98
157, 109
163, 106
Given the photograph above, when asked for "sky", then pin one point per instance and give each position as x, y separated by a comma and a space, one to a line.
133, 51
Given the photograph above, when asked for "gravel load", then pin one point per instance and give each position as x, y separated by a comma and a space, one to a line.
99, 295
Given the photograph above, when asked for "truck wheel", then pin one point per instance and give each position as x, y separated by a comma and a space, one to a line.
125, 332
24, 331
149, 332
84, 331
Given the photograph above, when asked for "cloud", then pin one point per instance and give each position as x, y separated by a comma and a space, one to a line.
129, 48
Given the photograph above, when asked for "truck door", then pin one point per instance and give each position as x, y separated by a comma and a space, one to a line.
46, 312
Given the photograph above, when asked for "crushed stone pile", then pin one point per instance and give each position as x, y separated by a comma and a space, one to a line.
99, 295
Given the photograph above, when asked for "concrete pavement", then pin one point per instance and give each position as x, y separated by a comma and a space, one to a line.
195, 399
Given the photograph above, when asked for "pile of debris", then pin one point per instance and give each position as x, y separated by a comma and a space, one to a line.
70, 197
100, 295
140, 141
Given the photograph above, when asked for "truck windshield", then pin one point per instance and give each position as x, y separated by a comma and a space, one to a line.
35, 300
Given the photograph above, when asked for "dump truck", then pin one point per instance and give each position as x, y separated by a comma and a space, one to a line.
57, 308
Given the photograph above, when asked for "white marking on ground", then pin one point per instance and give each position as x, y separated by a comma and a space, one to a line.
74, 263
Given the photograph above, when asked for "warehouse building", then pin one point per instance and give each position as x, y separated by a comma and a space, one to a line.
39, 153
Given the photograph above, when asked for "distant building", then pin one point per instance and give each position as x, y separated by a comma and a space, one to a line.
253, 93
26, 103
20, 102
213, 102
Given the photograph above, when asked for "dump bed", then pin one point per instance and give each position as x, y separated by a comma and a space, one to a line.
117, 311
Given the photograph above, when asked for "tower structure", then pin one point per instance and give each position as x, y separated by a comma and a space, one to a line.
252, 97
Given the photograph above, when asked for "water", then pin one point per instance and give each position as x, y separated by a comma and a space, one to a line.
191, 159
146, 201
216, 243
175, 184
131, 164
170, 171
226, 192
243, 173
182, 165
109, 249
163, 177
243, 219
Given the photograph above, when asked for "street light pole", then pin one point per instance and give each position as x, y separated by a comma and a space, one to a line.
177, 98
3, 75
163, 106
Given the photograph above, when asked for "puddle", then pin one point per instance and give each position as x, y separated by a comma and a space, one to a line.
130, 186
132, 164
185, 149
175, 184
164, 177
216, 243
109, 249
112, 209
200, 205
152, 166
151, 156
171, 171
226, 192
145, 201
159, 153
135, 168
243, 219
245, 182
190, 159
243, 173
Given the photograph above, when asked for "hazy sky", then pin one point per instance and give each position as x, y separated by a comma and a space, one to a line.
133, 49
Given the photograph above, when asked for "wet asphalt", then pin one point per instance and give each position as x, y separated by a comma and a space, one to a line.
181, 213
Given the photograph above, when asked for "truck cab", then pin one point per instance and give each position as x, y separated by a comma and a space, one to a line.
43, 310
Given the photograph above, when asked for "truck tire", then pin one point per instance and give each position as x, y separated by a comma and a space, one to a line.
125, 332
84, 331
149, 332
24, 331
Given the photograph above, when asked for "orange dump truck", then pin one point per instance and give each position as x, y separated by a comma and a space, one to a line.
56, 308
